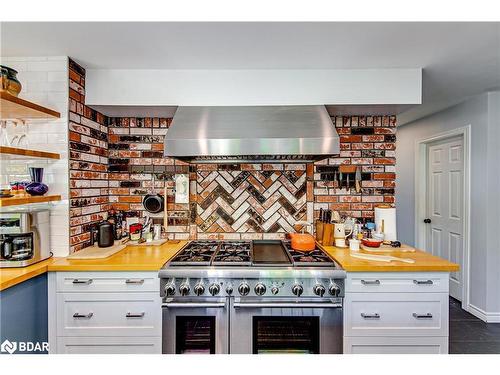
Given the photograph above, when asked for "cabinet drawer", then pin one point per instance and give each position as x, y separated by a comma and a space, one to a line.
108, 314
397, 282
395, 345
108, 282
396, 314
109, 345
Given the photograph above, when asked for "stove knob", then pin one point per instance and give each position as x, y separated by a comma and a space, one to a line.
275, 290
184, 289
297, 290
170, 289
319, 290
334, 289
214, 289
260, 289
244, 289
199, 289
229, 289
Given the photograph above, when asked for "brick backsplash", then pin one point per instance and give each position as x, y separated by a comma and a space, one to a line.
88, 159
113, 161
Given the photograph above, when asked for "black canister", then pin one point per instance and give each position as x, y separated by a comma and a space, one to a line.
105, 234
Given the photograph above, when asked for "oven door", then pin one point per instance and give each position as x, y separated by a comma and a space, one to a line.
276, 325
195, 326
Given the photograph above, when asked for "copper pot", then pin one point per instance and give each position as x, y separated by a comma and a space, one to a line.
9, 81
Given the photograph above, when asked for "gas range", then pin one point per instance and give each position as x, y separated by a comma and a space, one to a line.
251, 297
244, 268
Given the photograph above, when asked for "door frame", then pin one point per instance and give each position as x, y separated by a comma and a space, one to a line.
421, 148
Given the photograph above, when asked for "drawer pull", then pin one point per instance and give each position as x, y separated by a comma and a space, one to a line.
134, 281
423, 282
370, 316
82, 281
83, 316
422, 316
370, 282
138, 315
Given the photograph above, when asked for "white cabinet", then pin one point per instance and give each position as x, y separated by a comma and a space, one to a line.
395, 345
104, 312
109, 345
396, 313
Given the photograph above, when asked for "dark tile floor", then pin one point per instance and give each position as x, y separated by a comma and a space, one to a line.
470, 335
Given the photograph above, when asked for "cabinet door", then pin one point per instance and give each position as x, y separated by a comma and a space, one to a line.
396, 314
108, 314
395, 345
109, 345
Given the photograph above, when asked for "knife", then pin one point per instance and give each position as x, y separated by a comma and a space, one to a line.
348, 184
341, 177
357, 180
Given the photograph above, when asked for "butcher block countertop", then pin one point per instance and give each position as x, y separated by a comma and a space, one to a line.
13, 276
424, 262
132, 258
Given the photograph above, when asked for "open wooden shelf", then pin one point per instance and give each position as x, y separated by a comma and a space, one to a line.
7, 153
27, 199
12, 107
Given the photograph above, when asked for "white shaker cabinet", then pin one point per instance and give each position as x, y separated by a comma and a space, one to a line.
396, 312
104, 312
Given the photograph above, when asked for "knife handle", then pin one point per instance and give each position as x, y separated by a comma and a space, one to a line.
358, 186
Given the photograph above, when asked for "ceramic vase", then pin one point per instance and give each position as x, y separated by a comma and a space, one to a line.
37, 187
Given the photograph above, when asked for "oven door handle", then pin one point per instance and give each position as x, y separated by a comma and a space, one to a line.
313, 305
193, 305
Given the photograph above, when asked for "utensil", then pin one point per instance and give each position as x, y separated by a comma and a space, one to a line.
348, 184
381, 258
341, 177
357, 180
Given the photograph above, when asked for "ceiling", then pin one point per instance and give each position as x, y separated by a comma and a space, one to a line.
459, 59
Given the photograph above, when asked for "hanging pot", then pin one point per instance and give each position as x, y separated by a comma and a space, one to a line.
153, 202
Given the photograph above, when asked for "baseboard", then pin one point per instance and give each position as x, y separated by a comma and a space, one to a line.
488, 317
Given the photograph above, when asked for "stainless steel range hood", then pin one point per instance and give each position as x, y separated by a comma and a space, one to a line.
251, 134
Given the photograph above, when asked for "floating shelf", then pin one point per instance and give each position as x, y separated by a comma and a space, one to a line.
21, 153
12, 107
27, 199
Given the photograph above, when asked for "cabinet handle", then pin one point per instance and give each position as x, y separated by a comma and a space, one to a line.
423, 282
370, 316
83, 316
131, 315
82, 281
422, 316
370, 282
134, 281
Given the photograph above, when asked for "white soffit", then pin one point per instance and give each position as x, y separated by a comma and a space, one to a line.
252, 87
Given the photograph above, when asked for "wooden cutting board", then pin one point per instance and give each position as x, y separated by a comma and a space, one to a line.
95, 252
152, 243
388, 249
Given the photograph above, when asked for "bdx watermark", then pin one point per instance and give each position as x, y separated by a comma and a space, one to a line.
12, 347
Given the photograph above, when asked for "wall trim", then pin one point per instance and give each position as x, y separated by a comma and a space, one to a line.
488, 317
421, 146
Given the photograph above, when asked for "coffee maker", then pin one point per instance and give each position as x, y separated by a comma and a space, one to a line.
24, 238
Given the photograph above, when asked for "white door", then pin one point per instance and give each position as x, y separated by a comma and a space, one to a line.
445, 205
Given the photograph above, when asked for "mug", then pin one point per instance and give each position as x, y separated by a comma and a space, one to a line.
339, 231
354, 245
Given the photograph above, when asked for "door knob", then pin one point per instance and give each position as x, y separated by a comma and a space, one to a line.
427, 221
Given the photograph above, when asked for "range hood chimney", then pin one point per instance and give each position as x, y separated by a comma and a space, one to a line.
251, 134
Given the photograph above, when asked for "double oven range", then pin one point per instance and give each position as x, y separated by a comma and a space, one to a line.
251, 297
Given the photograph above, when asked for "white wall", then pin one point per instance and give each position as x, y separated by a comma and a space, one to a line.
479, 113
45, 81
253, 87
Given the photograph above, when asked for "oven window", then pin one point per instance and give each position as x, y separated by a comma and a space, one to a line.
195, 334
273, 334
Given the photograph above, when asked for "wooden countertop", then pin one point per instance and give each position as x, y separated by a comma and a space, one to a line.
132, 258
13, 276
424, 262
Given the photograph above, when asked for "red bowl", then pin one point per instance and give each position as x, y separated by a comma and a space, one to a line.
371, 242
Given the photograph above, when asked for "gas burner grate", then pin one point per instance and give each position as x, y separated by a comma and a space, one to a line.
315, 258
196, 253
233, 253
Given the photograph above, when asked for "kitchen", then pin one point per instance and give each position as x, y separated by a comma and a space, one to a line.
140, 220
